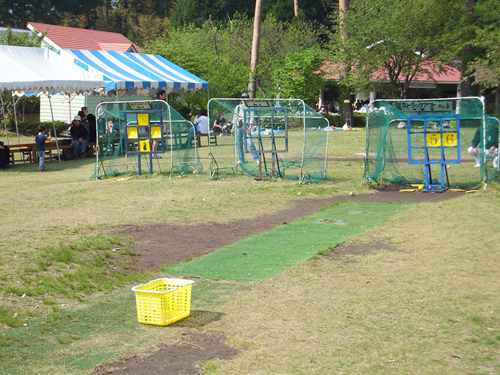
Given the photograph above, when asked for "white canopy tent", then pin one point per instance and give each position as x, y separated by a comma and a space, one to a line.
42, 71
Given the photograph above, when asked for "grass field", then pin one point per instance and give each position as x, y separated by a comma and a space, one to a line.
431, 307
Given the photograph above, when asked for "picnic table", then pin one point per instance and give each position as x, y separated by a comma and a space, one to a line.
28, 153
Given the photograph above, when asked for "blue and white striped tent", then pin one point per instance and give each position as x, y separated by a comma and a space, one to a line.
125, 71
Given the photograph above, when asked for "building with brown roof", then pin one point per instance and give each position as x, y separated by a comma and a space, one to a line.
62, 37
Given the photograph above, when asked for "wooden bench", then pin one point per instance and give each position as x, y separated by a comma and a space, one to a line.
28, 151
50, 148
211, 138
89, 150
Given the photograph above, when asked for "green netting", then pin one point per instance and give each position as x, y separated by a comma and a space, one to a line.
174, 152
289, 138
387, 141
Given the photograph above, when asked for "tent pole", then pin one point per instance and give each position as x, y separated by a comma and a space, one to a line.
69, 104
69, 100
54, 125
4, 118
14, 102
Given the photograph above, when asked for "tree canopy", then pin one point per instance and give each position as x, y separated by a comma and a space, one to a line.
221, 54
212, 38
485, 61
396, 39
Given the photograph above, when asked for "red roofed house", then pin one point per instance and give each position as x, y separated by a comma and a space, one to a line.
64, 107
447, 81
61, 37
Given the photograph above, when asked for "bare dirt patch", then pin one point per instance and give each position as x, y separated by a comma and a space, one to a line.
165, 244
176, 359
340, 253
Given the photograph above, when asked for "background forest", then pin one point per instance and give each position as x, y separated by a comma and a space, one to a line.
212, 39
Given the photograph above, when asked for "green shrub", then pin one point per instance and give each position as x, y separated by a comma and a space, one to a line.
30, 128
338, 122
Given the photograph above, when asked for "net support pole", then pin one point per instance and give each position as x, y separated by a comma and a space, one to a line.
49, 95
4, 118
14, 102
301, 176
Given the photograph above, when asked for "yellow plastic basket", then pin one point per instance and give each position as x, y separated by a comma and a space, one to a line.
163, 301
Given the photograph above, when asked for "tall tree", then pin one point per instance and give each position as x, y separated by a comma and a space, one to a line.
347, 112
296, 76
17, 13
254, 60
466, 55
221, 54
486, 64
191, 12
400, 38
312, 10
26, 39
197, 12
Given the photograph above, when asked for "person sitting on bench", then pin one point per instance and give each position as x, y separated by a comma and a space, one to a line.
220, 124
80, 138
201, 122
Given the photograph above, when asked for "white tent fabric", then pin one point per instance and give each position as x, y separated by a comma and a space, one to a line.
124, 71
30, 69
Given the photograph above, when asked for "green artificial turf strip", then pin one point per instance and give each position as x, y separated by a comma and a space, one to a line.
264, 255
48, 343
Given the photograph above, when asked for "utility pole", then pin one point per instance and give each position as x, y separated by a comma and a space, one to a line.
254, 60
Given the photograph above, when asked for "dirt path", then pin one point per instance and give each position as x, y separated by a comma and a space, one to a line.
163, 244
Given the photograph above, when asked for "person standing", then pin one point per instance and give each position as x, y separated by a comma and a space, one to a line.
101, 119
242, 127
40, 146
157, 105
83, 118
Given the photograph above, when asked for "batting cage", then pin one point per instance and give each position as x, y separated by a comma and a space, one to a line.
143, 137
267, 138
436, 143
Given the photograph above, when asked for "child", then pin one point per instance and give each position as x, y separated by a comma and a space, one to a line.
40, 146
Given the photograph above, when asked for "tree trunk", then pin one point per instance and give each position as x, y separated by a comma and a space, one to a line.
296, 7
254, 61
495, 110
468, 56
347, 112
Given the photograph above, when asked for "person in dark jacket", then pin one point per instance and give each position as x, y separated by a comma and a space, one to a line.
4, 156
80, 138
92, 127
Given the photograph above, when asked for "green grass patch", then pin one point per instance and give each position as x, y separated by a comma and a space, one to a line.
70, 271
74, 340
262, 256
431, 307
